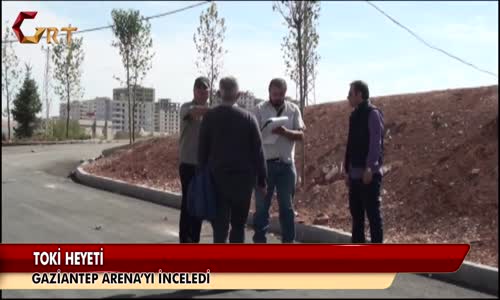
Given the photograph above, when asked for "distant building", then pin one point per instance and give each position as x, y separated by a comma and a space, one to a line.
5, 128
96, 128
144, 110
75, 110
247, 100
167, 116
98, 108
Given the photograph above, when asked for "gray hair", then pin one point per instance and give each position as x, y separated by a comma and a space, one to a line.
228, 84
229, 87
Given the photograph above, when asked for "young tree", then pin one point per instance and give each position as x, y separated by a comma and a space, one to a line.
299, 49
26, 105
208, 40
300, 45
10, 73
67, 59
134, 42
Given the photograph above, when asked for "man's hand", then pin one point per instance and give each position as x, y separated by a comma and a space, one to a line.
280, 131
262, 189
198, 111
367, 176
292, 135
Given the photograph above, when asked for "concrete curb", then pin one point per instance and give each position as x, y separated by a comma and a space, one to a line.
473, 276
54, 143
109, 151
470, 275
123, 188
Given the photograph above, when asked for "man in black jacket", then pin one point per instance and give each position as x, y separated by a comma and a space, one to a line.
363, 163
230, 144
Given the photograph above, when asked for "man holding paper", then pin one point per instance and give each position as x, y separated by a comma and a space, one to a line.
281, 125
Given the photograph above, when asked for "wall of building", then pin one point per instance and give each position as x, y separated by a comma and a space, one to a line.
167, 116
144, 111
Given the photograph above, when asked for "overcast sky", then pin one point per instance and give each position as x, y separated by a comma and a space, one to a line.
356, 42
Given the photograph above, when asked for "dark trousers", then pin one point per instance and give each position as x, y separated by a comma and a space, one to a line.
366, 198
189, 227
233, 193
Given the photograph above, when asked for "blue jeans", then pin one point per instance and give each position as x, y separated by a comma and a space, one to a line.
281, 176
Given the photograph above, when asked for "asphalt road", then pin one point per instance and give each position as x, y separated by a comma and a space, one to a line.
41, 205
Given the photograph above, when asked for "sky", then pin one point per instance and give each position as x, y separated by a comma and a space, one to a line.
355, 42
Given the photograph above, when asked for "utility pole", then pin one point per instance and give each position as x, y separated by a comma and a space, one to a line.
46, 83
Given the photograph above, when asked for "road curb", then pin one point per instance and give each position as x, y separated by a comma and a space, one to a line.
123, 188
473, 276
109, 151
54, 143
470, 275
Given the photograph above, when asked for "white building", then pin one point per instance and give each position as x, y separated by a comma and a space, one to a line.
247, 100
167, 116
96, 128
75, 112
98, 108
144, 110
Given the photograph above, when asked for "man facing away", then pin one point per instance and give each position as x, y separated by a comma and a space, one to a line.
280, 154
231, 147
363, 163
191, 114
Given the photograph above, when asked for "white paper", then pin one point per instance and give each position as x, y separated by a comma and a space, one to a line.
267, 136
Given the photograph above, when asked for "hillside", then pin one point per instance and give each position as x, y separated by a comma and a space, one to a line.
441, 160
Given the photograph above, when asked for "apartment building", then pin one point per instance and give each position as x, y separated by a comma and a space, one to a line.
98, 109
167, 116
247, 100
144, 110
75, 111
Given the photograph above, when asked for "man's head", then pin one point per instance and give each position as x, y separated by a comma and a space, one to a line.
229, 90
358, 93
201, 89
277, 91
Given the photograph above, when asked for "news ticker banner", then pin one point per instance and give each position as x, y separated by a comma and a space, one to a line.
216, 266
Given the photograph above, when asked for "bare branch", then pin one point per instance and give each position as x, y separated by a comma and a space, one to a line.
208, 40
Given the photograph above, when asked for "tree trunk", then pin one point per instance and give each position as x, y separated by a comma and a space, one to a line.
301, 91
133, 114
212, 76
47, 106
8, 109
8, 100
129, 103
67, 109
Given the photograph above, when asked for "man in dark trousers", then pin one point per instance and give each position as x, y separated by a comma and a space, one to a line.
231, 146
363, 163
191, 114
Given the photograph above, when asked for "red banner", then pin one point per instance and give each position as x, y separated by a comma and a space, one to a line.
233, 258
